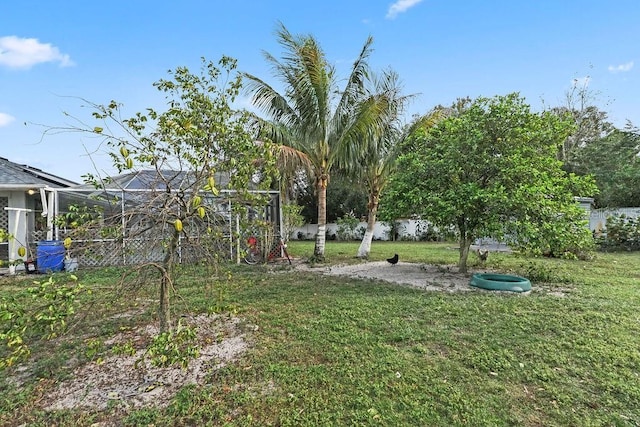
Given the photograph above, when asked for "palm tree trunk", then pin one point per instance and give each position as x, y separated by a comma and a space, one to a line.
318, 252
365, 245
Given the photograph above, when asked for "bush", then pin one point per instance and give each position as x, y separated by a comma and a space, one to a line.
291, 219
347, 226
622, 233
395, 230
425, 232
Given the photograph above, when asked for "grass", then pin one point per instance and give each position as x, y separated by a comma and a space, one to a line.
333, 351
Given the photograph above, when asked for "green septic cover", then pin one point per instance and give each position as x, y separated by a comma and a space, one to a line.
500, 282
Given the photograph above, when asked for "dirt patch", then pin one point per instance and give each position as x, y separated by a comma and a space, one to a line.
117, 381
428, 277
422, 276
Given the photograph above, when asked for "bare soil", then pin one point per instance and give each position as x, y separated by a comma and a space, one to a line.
117, 380
422, 276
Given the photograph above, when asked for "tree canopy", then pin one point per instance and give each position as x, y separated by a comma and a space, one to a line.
614, 162
491, 170
184, 150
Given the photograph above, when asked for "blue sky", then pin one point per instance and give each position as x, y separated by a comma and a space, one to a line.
54, 52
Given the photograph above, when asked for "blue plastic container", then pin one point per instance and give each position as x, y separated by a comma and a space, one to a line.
50, 256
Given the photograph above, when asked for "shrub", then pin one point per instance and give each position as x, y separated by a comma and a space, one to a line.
622, 233
55, 304
347, 226
291, 219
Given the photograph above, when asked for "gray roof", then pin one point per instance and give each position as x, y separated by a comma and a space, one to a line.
152, 179
16, 176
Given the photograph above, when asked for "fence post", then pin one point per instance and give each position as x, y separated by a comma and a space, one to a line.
124, 233
238, 240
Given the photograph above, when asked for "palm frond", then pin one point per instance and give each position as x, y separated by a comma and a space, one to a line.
269, 101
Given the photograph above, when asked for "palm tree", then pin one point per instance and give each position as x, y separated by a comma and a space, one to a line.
377, 162
313, 115
374, 172
373, 162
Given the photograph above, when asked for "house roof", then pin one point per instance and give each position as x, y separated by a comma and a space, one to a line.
153, 179
14, 176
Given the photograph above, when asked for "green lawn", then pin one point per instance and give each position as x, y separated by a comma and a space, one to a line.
331, 351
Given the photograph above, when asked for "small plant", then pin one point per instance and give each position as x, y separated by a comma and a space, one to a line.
394, 231
220, 304
425, 232
537, 271
124, 349
173, 347
94, 350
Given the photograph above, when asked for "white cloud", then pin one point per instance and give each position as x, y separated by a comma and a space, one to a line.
581, 81
5, 119
621, 68
400, 6
18, 52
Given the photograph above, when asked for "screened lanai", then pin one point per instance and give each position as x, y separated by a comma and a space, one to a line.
118, 221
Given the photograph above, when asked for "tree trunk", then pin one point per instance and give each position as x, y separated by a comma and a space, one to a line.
465, 244
164, 309
365, 245
318, 252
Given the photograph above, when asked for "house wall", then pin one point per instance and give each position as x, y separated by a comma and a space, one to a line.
17, 221
4, 225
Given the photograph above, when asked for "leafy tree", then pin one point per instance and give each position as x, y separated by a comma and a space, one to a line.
595, 146
590, 123
187, 148
492, 171
614, 162
313, 114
